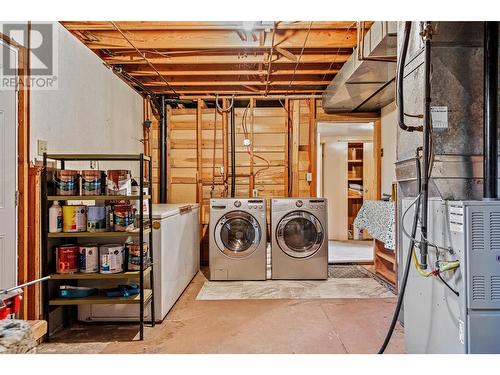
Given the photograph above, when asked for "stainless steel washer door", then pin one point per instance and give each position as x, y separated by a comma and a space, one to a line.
299, 234
237, 234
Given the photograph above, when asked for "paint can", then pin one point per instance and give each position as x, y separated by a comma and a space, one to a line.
96, 219
88, 258
119, 182
109, 218
66, 182
111, 258
74, 219
91, 182
134, 256
67, 259
123, 218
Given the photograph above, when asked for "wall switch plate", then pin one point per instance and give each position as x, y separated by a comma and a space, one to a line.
41, 146
309, 177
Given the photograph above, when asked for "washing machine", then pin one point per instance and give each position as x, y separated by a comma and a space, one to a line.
237, 249
299, 247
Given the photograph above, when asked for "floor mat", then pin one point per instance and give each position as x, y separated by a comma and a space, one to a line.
344, 282
341, 271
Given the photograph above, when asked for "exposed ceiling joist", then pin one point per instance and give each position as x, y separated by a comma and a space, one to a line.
206, 58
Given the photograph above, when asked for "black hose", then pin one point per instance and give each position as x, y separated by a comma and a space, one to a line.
233, 153
400, 77
424, 251
406, 272
490, 152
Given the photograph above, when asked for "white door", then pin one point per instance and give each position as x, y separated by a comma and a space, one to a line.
335, 188
8, 180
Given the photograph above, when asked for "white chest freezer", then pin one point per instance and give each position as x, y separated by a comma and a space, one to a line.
176, 258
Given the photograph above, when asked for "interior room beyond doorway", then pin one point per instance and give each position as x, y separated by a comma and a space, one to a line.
346, 178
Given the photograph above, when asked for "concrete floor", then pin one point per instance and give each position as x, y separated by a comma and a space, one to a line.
245, 326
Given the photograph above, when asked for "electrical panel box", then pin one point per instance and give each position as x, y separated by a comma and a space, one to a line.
436, 319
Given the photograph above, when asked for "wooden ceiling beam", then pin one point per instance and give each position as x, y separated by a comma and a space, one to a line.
211, 73
234, 83
232, 91
307, 58
159, 25
219, 39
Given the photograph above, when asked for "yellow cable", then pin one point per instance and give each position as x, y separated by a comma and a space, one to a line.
417, 265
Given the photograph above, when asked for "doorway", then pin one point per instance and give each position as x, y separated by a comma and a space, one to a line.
346, 178
8, 177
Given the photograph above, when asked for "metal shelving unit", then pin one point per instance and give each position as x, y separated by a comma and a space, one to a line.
145, 296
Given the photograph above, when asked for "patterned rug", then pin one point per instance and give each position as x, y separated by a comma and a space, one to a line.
351, 271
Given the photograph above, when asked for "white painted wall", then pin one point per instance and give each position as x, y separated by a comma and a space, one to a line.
92, 111
389, 135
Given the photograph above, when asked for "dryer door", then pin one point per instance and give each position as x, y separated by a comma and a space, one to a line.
299, 234
237, 234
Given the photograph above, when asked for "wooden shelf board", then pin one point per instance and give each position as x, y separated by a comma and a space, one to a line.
351, 197
387, 257
101, 300
95, 234
355, 179
99, 276
386, 274
355, 161
95, 197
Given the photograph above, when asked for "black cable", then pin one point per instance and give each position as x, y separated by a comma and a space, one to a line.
399, 80
408, 261
448, 285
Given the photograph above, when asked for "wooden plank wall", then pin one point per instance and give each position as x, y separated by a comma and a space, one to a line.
190, 168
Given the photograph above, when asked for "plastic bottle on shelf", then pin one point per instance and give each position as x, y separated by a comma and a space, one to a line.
55, 218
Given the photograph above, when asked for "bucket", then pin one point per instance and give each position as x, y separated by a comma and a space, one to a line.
91, 182
96, 219
67, 259
88, 258
123, 218
134, 256
119, 182
111, 258
66, 182
74, 219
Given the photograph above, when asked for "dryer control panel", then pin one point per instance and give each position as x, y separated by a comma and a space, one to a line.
317, 204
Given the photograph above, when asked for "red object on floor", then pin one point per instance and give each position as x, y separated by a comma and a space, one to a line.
9, 303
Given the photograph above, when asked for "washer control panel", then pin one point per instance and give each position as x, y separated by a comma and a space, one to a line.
257, 204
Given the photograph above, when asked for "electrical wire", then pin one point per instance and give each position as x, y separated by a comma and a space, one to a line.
221, 108
246, 133
143, 55
448, 285
298, 60
213, 153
